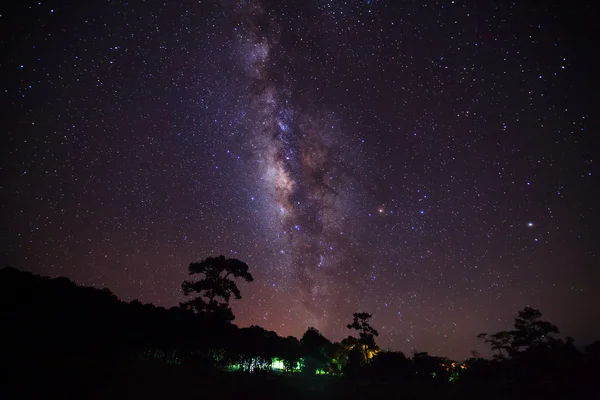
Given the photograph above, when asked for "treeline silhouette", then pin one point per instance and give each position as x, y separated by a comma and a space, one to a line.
60, 335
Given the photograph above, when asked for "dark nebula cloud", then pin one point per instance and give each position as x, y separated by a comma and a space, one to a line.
432, 164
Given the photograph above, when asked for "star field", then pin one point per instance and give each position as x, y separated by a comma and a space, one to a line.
429, 162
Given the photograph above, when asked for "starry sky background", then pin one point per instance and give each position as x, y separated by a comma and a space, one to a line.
429, 162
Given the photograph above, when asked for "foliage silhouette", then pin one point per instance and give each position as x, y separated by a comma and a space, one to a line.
366, 333
530, 333
502, 342
316, 349
60, 333
216, 287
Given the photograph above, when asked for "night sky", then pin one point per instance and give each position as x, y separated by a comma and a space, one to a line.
429, 162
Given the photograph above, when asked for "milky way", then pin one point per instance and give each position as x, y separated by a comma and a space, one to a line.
430, 163
297, 163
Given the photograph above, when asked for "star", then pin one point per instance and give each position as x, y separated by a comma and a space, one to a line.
308, 139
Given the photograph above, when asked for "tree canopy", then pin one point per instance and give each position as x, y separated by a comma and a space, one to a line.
529, 333
94, 326
216, 286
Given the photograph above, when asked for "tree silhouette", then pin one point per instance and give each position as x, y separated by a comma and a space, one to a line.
316, 349
85, 326
366, 334
290, 352
530, 331
502, 342
216, 286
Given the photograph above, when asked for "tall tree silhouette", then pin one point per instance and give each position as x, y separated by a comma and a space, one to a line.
216, 286
530, 330
366, 334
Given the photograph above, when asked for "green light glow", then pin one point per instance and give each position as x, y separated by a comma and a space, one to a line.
277, 365
234, 367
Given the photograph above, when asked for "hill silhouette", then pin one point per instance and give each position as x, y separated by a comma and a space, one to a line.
61, 339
